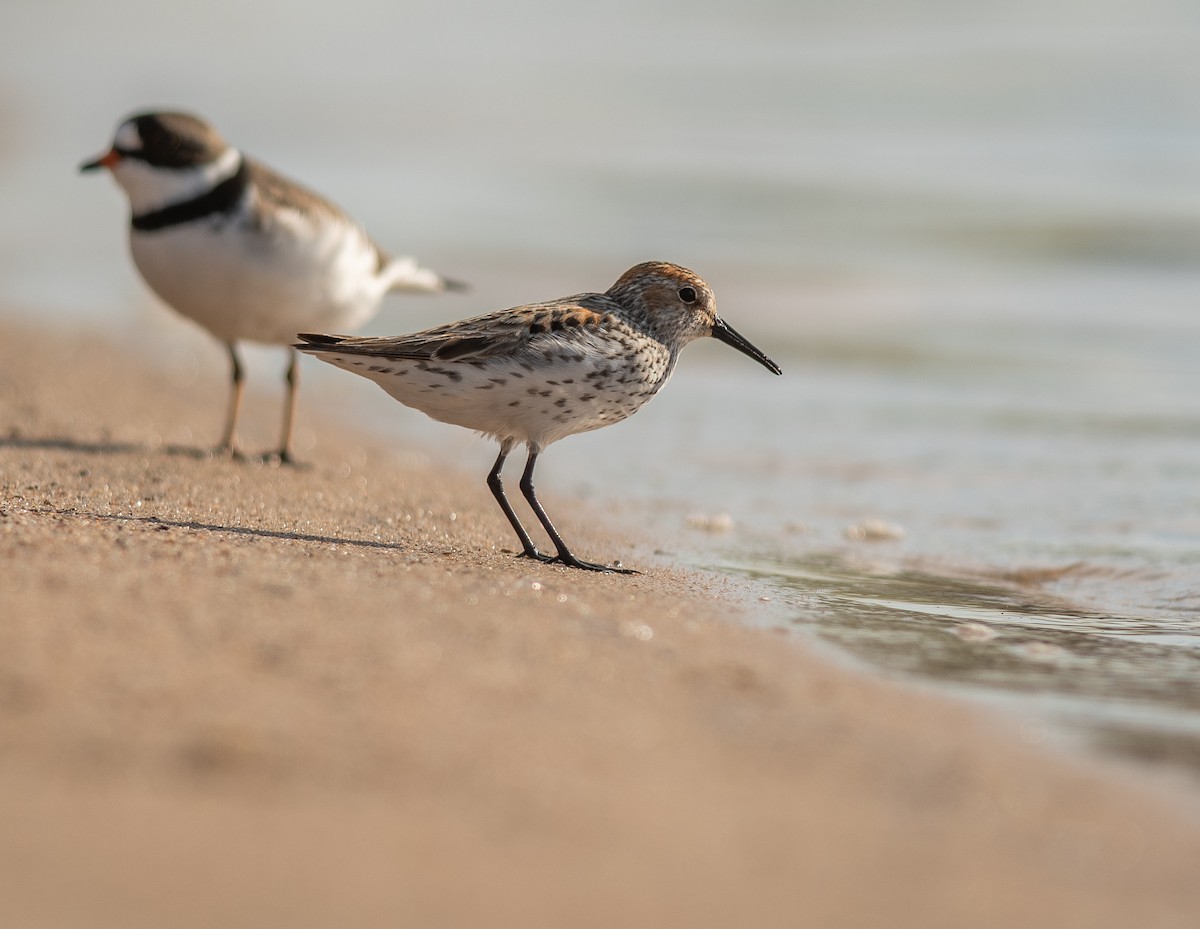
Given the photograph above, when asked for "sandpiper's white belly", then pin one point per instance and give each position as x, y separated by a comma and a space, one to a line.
243, 281
561, 388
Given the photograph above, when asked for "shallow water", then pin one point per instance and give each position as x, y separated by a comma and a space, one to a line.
1126, 684
968, 233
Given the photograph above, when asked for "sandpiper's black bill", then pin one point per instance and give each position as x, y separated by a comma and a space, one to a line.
723, 332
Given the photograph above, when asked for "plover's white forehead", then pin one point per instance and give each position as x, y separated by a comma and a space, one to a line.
128, 138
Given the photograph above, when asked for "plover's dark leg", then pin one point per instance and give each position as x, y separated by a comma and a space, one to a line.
564, 555
496, 486
228, 441
289, 410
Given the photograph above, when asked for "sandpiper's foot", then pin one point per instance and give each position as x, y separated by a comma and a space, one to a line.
537, 556
570, 561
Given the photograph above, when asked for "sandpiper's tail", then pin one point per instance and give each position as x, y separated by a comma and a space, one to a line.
340, 351
329, 349
314, 342
404, 274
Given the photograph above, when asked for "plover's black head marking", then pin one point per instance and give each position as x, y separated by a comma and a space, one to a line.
169, 140
166, 159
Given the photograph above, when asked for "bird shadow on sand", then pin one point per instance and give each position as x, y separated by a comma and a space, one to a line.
158, 523
105, 447
62, 444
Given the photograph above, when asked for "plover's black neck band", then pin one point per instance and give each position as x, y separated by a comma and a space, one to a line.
220, 199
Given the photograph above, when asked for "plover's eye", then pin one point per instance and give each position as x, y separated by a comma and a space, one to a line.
687, 294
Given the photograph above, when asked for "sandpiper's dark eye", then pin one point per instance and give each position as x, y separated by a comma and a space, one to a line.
687, 294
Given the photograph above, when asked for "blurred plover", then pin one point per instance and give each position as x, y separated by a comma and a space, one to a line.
248, 254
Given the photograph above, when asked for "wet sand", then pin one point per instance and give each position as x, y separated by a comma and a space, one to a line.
239, 695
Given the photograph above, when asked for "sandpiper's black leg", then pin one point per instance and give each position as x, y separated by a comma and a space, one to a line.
289, 410
228, 441
564, 555
529, 550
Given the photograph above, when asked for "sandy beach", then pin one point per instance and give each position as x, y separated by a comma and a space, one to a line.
239, 695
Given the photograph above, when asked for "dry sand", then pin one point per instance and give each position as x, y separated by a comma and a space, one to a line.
235, 695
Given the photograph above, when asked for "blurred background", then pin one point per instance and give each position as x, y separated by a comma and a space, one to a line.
968, 231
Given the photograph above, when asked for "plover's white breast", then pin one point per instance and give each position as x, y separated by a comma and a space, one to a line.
263, 273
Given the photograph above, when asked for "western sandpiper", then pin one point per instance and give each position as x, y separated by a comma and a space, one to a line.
535, 374
246, 253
